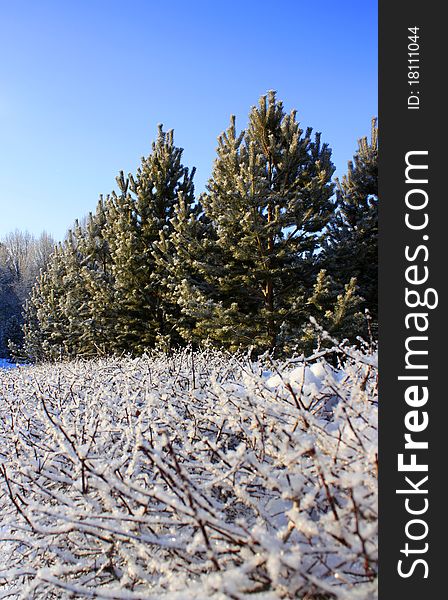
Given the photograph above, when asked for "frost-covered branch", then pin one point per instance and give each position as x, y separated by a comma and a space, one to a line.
137, 478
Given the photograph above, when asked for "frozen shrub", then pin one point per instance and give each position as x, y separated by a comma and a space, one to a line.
200, 475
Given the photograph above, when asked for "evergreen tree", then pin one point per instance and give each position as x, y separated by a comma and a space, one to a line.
268, 200
60, 314
98, 329
45, 328
103, 290
129, 307
160, 181
332, 312
351, 247
144, 308
75, 305
185, 256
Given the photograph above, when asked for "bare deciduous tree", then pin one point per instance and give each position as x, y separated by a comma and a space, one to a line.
22, 256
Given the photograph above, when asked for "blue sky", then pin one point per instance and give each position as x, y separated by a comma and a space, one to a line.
83, 85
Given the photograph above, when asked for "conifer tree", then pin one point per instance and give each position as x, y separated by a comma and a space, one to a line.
331, 313
131, 314
185, 256
45, 328
103, 291
98, 330
60, 316
143, 304
267, 201
351, 246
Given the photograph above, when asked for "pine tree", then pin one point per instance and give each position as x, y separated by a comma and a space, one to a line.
98, 330
267, 201
45, 328
60, 314
351, 247
103, 291
185, 256
159, 183
331, 313
143, 304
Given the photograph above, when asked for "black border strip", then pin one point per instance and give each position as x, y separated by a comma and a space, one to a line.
403, 130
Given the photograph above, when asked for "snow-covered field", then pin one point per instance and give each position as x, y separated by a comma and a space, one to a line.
192, 476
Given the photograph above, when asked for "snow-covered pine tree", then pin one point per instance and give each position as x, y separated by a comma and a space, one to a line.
74, 303
160, 181
268, 200
351, 243
332, 313
32, 345
130, 307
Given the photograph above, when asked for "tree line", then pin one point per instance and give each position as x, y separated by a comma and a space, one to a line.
272, 246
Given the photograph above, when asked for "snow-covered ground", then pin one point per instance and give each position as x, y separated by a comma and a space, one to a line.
193, 476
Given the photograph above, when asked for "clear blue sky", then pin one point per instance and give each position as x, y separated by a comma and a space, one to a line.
83, 84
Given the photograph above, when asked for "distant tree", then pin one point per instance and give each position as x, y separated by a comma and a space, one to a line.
21, 258
9, 303
42, 249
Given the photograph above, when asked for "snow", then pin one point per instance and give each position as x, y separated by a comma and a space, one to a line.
133, 478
